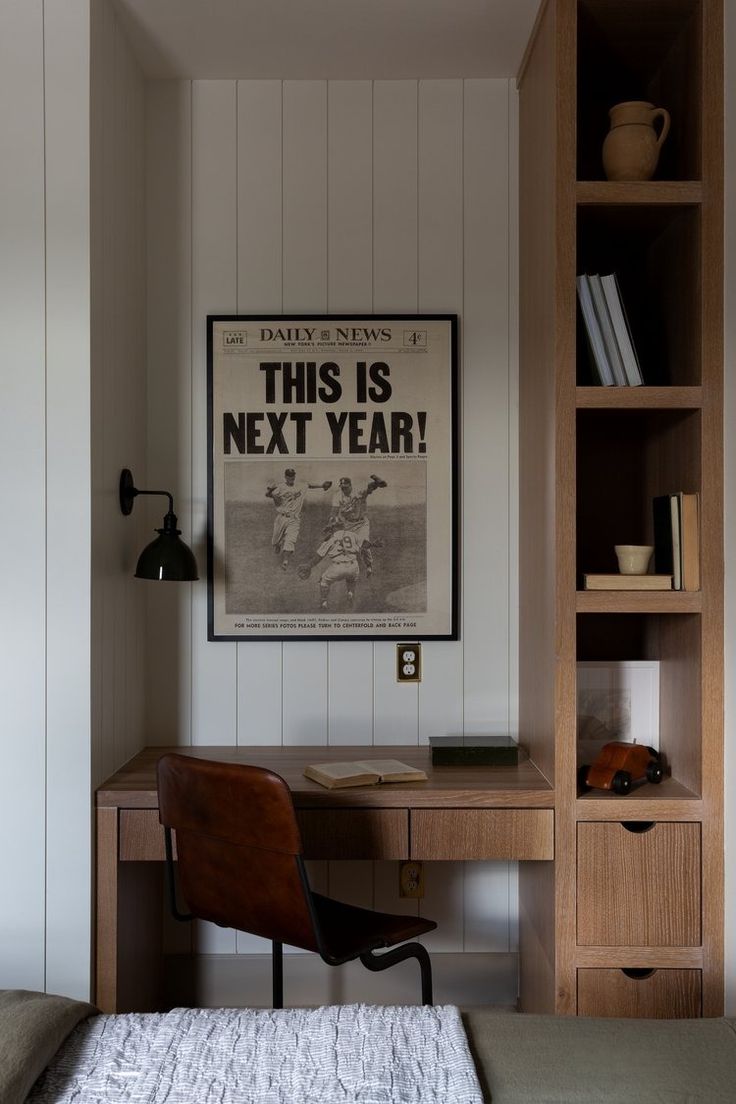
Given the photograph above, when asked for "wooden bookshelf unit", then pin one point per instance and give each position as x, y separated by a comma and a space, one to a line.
629, 920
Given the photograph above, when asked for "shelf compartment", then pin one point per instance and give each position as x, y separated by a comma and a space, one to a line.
655, 253
627, 54
639, 398
675, 642
638, 888
626, 457
659, 994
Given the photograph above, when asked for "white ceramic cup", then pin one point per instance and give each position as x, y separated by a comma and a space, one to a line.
633, 559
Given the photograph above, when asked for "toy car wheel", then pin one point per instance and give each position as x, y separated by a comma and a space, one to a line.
583, 776
621, 782
655, 773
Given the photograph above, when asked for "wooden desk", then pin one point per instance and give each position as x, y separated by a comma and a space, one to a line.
457, 814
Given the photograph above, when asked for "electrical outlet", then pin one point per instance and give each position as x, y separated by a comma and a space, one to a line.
408, 662
411, 879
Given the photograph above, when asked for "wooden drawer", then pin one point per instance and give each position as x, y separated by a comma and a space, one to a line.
326, 834
354, 833
661, 994
482, 834
640, 888
141, 836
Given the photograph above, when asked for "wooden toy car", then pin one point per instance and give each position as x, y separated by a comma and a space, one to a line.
619, 764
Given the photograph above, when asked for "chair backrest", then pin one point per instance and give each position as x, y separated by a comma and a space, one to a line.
238, 847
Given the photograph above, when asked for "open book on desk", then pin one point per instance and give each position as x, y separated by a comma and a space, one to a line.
363, 772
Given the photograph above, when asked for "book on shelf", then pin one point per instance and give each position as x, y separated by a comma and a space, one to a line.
606, 327
613, 354
628, 582
362, 772
677, 538
622, 329
598, 355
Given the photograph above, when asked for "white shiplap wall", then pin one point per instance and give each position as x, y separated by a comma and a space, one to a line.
338, 196
45, 814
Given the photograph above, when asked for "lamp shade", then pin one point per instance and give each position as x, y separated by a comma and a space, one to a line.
167, 558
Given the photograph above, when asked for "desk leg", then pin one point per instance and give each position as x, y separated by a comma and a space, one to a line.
128, 926
106, 921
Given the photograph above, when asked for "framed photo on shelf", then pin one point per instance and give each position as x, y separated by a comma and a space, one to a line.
332, 477
618, 700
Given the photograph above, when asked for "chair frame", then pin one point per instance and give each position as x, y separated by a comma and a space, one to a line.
373, 962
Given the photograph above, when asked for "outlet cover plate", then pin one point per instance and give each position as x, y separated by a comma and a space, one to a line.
408, 662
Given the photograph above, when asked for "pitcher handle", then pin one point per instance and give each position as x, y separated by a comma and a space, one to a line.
662, 113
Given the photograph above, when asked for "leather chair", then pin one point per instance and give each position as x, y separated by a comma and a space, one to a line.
241, 866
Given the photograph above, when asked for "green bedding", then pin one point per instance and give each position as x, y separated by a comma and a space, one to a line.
32, 1028
527, 1059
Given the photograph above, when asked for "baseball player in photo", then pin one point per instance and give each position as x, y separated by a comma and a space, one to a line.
340, 553
288, 498
349, 513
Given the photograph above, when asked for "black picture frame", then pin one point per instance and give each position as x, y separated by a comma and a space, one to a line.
369, 404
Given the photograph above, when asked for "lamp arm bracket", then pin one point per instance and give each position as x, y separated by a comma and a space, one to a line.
128, 492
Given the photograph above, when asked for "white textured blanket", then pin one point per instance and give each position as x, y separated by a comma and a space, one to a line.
351, 1054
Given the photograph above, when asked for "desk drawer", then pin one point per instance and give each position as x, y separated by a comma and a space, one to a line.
326, 834
141, 836
354, 833
482, 834
638, 888
660, 994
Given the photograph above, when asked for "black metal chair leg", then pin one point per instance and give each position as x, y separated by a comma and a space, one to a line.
277, 966
398, 954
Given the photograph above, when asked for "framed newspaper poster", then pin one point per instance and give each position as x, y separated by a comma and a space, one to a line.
332, 502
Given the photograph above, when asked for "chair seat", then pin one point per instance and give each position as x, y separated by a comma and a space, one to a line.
348, 930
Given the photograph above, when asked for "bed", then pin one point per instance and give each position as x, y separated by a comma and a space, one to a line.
57, 1051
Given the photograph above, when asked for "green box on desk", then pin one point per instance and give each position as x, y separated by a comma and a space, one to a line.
475, 751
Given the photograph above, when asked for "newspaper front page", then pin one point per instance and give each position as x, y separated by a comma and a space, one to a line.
332, 477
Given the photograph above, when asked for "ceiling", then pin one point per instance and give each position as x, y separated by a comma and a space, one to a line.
328, 39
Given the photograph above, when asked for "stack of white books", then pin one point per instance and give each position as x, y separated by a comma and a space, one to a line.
609, 335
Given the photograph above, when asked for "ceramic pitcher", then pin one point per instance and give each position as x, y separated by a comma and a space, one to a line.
631, 149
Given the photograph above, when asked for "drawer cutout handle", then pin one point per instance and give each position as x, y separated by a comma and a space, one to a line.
638, 826
638, 973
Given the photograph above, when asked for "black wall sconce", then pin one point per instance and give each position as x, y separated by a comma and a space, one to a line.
167, 558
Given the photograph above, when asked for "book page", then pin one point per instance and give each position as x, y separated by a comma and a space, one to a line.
339, 771
391, 770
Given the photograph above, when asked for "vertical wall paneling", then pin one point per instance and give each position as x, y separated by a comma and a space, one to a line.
259, 289
395, 260
68, 529
485, 465
169, 410
214, 290
395, 196
440, 289
117, 389
305, 289
350, 288
22, 435
396, 708
485, 407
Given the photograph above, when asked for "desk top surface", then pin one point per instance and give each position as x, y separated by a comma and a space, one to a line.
522, 786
